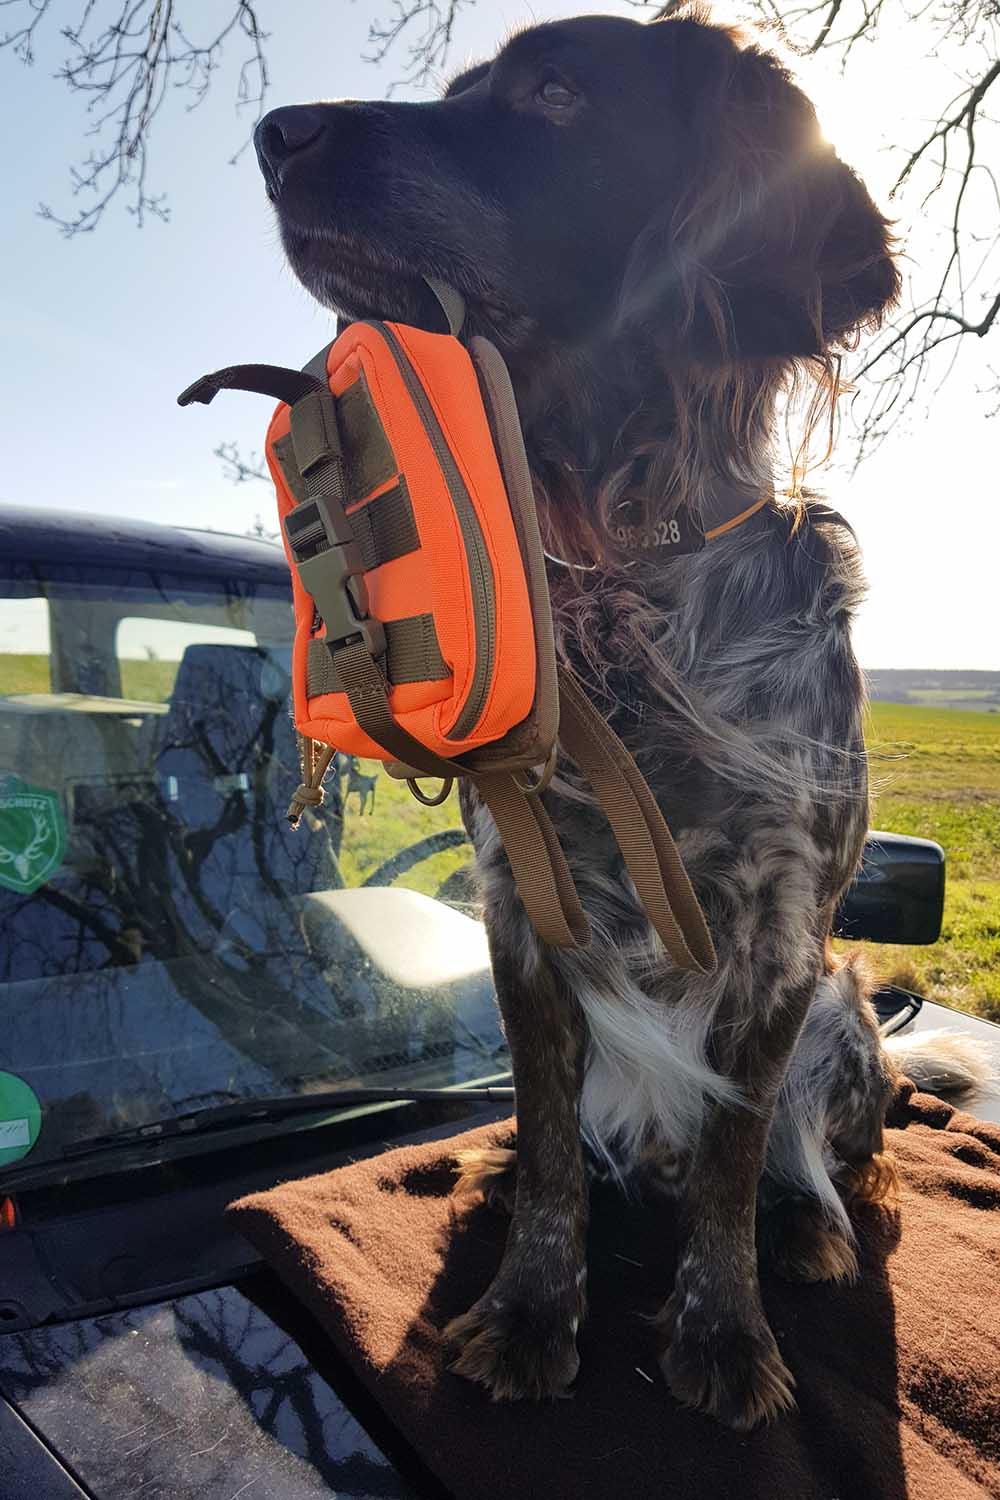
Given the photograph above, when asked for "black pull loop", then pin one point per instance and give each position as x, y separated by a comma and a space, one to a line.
266, 380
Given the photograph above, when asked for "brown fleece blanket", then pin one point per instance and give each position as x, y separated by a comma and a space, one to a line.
898, 1376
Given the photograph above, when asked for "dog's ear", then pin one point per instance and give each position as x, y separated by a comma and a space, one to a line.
772, 246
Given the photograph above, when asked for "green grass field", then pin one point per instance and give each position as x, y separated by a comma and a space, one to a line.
143, 681
398, 821
935, 772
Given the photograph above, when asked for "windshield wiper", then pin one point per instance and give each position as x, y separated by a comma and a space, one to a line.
247, 1112
240, 1114
280, 1106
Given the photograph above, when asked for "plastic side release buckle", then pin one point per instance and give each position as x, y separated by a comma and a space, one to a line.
331, 571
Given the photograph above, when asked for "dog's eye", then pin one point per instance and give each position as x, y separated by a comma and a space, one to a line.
555, 94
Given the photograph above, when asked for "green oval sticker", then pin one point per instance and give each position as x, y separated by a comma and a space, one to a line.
32, 835
20, 1118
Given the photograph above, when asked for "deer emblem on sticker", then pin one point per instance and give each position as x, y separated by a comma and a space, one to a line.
32, 835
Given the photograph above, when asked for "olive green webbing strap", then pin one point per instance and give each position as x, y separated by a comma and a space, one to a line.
542, 876
539, 866
368, 694
651, 856
385, 527
412, 655
267, 380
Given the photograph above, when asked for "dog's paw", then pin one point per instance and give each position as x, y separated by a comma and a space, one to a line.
514, 1347
725, 1366
492, 1171
798, 1241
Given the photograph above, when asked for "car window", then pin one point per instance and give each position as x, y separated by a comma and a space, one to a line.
24, 645
150, 649
167, 940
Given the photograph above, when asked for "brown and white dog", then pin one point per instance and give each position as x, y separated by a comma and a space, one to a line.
647, 222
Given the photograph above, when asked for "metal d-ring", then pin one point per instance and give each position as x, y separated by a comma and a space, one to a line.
446, 785
534, 788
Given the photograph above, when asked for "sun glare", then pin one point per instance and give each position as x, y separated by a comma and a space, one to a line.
879, 101
857, 113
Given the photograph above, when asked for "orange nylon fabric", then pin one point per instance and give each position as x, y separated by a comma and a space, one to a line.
436, 579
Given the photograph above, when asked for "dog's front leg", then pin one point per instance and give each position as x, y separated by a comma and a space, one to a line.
720, 1354
520, 1337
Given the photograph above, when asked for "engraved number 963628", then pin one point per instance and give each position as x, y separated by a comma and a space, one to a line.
663, 534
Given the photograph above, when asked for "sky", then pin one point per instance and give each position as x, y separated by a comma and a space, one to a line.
100, 332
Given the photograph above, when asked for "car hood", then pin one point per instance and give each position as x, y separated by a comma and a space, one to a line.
203, 1395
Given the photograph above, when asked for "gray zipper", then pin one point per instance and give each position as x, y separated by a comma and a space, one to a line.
480, 567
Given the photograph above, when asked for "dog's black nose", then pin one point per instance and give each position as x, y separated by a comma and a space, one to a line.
282, 134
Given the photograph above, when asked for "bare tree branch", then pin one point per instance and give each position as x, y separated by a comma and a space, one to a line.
123, 61
941, 180
22, 41
262, 531
971, 100
239, 469
428, 28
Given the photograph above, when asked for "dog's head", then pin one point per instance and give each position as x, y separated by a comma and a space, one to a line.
599, 178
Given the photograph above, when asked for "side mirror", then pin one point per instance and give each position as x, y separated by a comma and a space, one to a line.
897, 895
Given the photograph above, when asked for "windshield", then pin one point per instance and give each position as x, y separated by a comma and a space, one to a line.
167, 941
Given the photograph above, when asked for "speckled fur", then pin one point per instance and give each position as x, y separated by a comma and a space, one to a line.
681, 1072
767, 855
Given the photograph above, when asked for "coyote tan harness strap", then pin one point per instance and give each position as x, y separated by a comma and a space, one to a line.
651, 856
541, 874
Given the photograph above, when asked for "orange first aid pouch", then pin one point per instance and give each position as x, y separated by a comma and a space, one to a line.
423, 630
439, 568
410, 530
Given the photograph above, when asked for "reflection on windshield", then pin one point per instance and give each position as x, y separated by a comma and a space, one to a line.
166, 939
